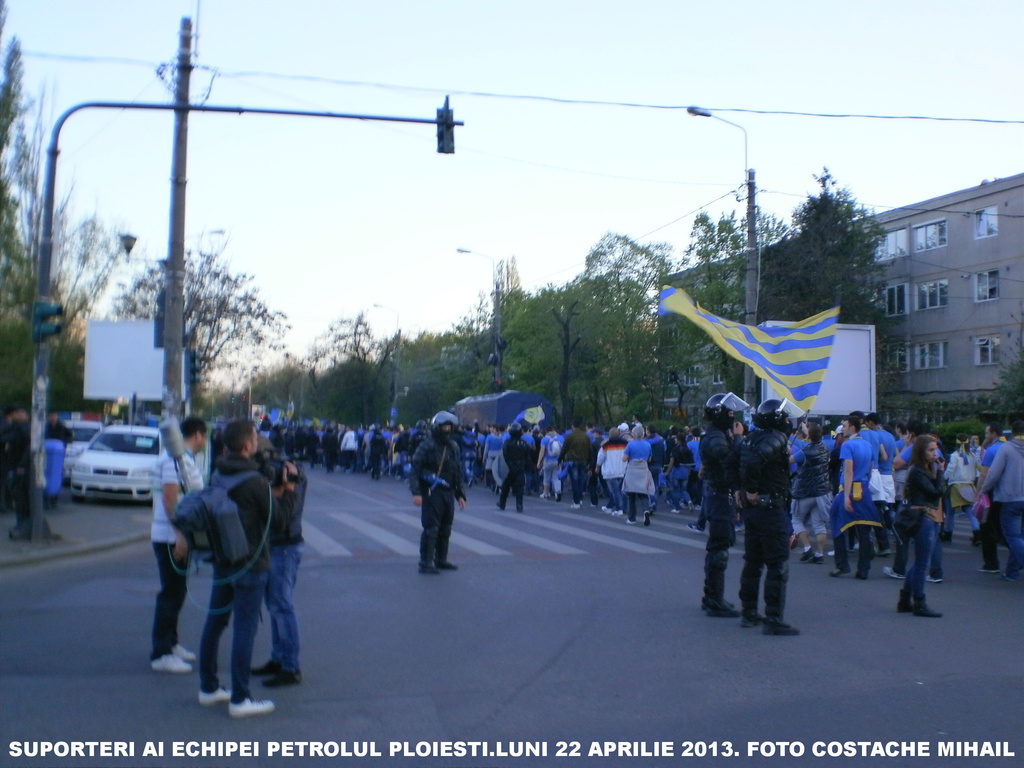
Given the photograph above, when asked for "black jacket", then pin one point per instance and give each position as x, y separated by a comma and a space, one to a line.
439, 456
720, 460
256, 504
812, 478
764, 463
518, 454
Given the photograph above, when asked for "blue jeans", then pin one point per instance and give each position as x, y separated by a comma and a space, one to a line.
615, 500
924, 543
677, 493
173, 589
1011, 516
241, 597
578, 478
284, 627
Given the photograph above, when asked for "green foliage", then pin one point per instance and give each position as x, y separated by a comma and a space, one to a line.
833, 238
947, 432
1010, 389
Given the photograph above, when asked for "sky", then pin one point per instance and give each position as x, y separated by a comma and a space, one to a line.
333, 217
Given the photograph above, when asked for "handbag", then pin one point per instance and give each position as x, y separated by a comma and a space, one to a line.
981, 505
908, 519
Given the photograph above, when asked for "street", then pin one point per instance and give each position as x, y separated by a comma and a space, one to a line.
563, 631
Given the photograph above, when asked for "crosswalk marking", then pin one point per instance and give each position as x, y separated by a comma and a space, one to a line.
576, 531
526, 538
322, 543
459, 539
395, 543
688, 541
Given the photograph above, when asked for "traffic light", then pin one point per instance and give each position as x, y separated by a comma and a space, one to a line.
445, 130
194, 368
44, 320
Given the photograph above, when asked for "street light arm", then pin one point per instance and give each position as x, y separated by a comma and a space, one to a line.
701, 112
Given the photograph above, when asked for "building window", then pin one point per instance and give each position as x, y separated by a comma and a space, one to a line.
986, 222
898, 357
986, 285
691, 376
892, 245
986, 350
933, 294
931, 354
718, 377
896, 300
929, 236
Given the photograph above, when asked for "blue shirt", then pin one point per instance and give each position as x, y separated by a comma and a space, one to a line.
990, 453
694, 446
875, 439
637, 449
858, 450
889, 443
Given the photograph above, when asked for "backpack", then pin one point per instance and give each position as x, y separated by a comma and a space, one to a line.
210, 520
554, 448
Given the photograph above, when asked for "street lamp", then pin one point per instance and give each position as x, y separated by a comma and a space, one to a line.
498, 354
393, 417
750, 317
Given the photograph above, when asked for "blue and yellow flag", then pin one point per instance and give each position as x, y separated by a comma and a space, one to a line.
534, 415
793, 358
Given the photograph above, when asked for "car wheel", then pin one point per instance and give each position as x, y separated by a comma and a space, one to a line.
77, 497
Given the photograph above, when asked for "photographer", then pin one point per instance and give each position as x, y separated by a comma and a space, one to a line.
240, 590
286, 549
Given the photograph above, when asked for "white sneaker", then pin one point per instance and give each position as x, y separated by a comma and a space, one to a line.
171, 663
609, 510
217, 697
251, 707
616, 513
575, 506
183, 653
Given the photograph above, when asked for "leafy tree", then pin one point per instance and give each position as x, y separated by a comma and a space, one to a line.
225, 316
833, 237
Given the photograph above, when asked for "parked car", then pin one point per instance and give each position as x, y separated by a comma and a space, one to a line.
119, 463
81, 433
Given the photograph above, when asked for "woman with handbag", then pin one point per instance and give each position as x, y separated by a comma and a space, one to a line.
921, 519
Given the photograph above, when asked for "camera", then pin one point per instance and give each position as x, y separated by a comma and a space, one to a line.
273, 469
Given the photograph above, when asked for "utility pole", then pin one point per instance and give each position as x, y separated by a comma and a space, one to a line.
749, 380
499, 343
174, 277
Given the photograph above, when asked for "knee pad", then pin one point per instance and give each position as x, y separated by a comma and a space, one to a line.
719, 558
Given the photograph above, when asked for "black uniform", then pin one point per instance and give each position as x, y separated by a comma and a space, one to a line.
518, 455
437, 477
764, 470
720, 466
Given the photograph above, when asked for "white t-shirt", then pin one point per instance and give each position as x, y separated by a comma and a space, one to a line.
166, 474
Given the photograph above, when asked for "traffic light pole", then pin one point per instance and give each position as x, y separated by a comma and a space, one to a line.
38, 528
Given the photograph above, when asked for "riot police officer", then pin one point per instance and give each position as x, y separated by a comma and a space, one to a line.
720, 468
764, 476
436, 484
518, 456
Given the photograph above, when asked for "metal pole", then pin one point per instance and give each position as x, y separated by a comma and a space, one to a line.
749, 380
499, 376
174, 278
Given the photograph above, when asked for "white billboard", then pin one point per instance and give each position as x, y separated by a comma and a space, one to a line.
120, 361
849, 384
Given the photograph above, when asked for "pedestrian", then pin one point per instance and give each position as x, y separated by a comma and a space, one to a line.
174, 476
1005, 483
18, 450
764, 476
720, 463
637, 484
612, 468
812, 497
925, 489
576, 461
436, 485
239, 589
853, 506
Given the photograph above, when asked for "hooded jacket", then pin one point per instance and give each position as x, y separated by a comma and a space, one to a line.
1005, 479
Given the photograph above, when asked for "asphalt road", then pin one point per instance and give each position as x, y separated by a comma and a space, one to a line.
563, 631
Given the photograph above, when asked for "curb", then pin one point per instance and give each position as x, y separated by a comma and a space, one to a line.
59, 550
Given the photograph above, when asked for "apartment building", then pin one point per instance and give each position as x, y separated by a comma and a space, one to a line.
954, 285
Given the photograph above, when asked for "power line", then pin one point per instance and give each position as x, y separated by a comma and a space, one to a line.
217, 72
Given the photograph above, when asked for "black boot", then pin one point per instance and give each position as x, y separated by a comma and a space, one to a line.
975, 538
921, 609
903, 606
774, 625
719, 609
751, 618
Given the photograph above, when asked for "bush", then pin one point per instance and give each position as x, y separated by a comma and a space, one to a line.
947, 432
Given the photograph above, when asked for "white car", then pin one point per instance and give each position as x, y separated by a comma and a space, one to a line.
81, 433
119, 463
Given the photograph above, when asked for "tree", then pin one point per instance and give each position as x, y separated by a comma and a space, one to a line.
225, 316
833, 237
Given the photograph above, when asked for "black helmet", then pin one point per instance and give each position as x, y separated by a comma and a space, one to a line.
773, 414
515, 429
720, 409
421, 424
441, 418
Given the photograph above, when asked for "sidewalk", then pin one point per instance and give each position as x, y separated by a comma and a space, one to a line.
81, 528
